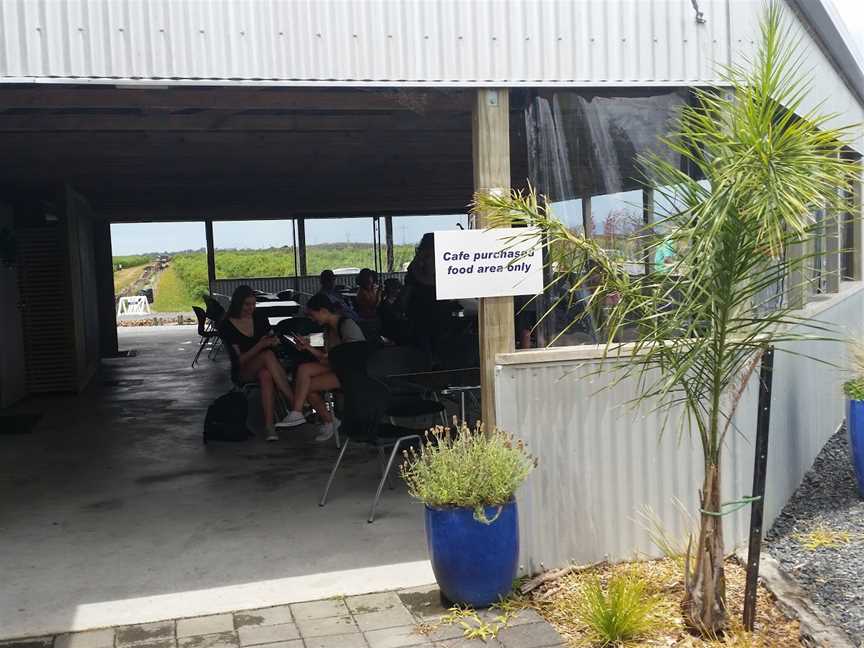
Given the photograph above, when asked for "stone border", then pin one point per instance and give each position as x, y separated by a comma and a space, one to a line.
816, 628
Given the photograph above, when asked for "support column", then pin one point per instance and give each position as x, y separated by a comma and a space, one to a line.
491, 152
301, 246
796, 281
648, 233
855, 226
388, 224
108, 345
831, 265
211, 254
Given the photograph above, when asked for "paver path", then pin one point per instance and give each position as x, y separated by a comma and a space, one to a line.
385, 620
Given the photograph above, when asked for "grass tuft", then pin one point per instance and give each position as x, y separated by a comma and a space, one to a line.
621, 611
822, 537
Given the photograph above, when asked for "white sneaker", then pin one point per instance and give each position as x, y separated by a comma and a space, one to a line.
272, 435
328, 430
292, 419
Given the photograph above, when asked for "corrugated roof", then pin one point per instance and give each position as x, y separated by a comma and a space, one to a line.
366, 42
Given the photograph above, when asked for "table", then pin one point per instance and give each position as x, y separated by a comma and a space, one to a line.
446, 382
278, 308
273, 321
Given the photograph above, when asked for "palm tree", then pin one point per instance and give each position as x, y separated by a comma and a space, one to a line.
759, 165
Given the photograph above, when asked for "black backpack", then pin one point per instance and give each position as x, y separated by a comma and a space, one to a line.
226, 419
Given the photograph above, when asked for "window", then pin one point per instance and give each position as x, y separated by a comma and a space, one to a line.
344, 245
258, 248
165, 261
583, 155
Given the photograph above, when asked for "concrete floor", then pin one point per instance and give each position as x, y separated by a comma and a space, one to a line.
112, 511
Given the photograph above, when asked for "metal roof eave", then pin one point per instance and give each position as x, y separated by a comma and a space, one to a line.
828, 27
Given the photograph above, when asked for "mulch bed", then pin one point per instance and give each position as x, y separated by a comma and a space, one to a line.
556, 600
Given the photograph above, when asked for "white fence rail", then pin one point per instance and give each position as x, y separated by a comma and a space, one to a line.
135, 305
602, 464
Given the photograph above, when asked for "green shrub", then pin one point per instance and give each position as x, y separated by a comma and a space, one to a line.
470, 469
854, 389
621, 612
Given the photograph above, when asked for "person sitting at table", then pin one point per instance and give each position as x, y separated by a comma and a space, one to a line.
328, 289
314, 378
246, 333
368, 294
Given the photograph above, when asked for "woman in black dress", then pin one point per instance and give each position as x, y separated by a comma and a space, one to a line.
250, 342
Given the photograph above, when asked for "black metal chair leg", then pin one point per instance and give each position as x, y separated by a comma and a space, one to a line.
333, 473
396, 446
200, 349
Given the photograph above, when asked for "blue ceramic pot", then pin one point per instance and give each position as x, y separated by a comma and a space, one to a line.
474, 563
855, 428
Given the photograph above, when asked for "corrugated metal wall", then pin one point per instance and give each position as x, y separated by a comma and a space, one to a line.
362, 41
601, 463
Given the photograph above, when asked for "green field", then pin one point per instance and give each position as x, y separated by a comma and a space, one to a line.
171, 295
132, 261
184, 282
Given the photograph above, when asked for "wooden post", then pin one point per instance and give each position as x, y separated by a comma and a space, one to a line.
211, 254
491, 152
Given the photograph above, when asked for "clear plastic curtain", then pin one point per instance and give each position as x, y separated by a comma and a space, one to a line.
583, 156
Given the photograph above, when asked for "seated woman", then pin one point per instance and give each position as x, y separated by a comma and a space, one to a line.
314, 378
246, 333
368, 294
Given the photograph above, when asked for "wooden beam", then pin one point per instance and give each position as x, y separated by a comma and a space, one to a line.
211, 253
421, 101
214, 120
491, 153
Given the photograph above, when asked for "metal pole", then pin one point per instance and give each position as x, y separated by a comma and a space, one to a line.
759, 470
211, 254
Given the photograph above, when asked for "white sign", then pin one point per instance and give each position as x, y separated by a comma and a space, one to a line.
488, 263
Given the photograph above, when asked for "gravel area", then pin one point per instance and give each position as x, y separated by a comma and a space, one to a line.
828, 503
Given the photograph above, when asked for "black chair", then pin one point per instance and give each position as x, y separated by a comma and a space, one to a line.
366, 401
389, 361
409, 400
215, 313
206, 333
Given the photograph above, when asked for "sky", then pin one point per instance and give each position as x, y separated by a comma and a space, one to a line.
137, 238
852, 13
